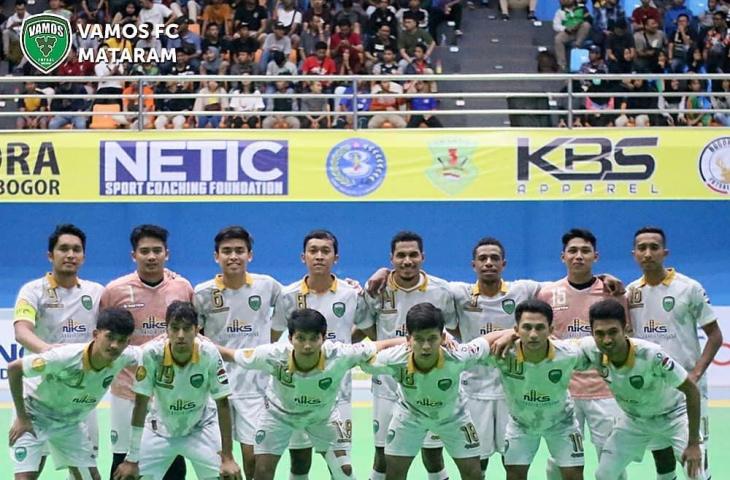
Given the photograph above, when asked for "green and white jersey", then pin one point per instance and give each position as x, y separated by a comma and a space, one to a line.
59, 315
303, 398
537, 393
646, 385
236, 319
669, 315
436, 394
182, 394
387, 311
62, 388
479, 315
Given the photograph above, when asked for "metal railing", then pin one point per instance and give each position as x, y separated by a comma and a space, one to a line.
564, 99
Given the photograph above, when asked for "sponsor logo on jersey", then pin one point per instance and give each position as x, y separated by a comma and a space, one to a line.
444, 384
254, 301
222, 376
182, 406
140, 374
534, 396
153, 323
338, 308
72, 326
401, 331
427, 402
87, 302
196, 380
325, 383
667, 363
260, 435
307, 400
508, 305
655, 327
330, 335
38, 364
85, 400
714, 165
577, 326
453, 169
107, 381
555, 375
636, 381
668, 303
356, 167
239, 326
489, 328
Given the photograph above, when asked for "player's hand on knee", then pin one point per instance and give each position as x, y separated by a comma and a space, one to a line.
127, 471
230, 469
19, 428
692, 459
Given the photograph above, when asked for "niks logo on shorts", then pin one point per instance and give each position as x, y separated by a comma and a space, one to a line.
45, 40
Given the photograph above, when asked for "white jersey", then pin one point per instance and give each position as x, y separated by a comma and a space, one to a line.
62, 388
646, 385
303, 398
537, 393
436, 394
388, 312
669, 315
59, 315
182, 394
479, 315
236, 319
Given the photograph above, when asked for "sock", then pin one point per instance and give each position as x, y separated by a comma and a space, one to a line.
294, 476
375, 475
442, 475
666, 476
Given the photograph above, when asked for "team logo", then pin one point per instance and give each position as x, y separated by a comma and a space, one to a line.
222, 376
260, 435
45, 40
38, 364
453, 169
254, 301
391, 436
555, 375
325, 383
114, 436
107, 381
140, 374
376, 426
508, 305
20, 453
637, 381
715, 165
356, 167
87, 302
196, 380
668, 303
444, 384
338, 308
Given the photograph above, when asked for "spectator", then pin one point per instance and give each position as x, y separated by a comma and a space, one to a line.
11, 33
155, 13
95, 11
695, 100
642, 12
620, 48
211, 104
315, 29
446, 11
66, 107
680, 45
649, 42
705, 20
383, 14
387, 105
244, 64
670, 104
171, 111
421, 15
662, 63
597, 103
39, 103
182, 66
73, 68
319, 63
212, 38
410, 37
188, 42
346, 49
605, 15
243, 40
276, 41
107, 85
378, 44
627, 118
317, 13
504, 10
672, 14
571, 26
388, 65
131, 105
697, 62
247, 101
283, 103
280, 65
291, 19
212, 63
316, 105
716, 43
220, 13
129, 14
352, 12
721, 101
56, 7
255, 16
346, 105
420, 64
150, 43
426, 103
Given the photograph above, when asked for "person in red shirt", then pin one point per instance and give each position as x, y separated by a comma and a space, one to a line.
642, 12
73, 68
319, 63
346, 49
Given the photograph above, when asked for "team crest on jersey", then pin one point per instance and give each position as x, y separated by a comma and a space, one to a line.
260, 435
107, 381
140, 374
87, 302
637, 381
114, 437
20, 453
254, 301
196, 380
444, 384
38, 364
338, 308
555, 375
508, 305
325, 383
668, 303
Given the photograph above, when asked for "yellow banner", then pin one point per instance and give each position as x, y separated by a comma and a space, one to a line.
420, 164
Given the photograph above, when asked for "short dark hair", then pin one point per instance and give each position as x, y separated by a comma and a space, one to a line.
320, 235
231, 233
117, 320
488, 241
608, 309
320, 46
306, 320
344, 22
423, 316
406, 236
19, 3
650, 229
147, 230
408, 15
583, 233
534, 305
180, 310
66, 229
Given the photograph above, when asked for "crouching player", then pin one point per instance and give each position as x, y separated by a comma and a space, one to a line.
55, 391
661, 403
182, 372
302, 394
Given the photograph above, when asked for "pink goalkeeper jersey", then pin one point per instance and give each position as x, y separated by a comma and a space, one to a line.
148, 306
570, 321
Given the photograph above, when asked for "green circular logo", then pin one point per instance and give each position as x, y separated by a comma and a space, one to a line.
45, 40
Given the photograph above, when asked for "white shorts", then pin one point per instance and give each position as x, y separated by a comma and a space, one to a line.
406, 433
631, 437
68, 445
91, 429
383, 409
600, 416
490, 418
274, 433
564, 441
202, 448
300, 439
120, 423
245, 413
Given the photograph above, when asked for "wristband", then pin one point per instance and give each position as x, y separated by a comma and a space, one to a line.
135, 442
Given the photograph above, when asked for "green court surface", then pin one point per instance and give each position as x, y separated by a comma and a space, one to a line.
363, 451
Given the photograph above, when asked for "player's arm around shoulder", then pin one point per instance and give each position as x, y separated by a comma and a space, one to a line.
500, 341
386, 359
252, 358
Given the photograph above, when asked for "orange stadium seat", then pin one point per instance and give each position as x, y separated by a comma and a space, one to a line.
104, 121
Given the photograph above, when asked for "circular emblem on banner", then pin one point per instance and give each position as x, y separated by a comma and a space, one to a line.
356, 167
715, 165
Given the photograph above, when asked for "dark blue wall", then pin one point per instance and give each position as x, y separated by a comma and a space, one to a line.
697, 236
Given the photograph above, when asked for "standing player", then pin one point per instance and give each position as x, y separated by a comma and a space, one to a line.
60, 308
406, 286
234, 310
55, 391
483, 307
660, 402
183, 373
667, 308
146, 293
303, 390
570, 299
338, 303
